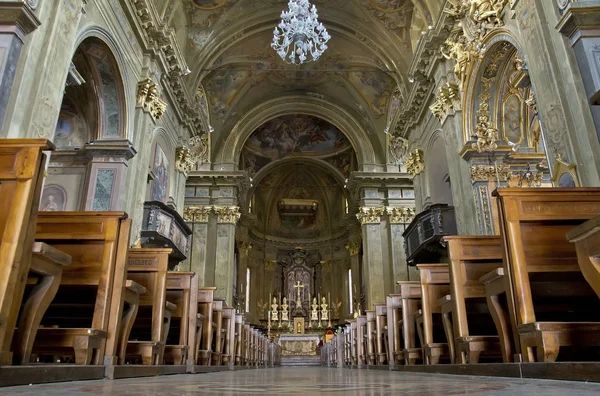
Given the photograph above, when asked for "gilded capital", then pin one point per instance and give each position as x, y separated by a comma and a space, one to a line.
415, 163
196, 214
370, 215
400, 214
244, 248
227, 214
353, 248
149, 99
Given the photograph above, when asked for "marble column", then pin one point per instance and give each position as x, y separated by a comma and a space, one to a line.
373, 271
581, 24
398, 219
16, 21
197, 218
227, 217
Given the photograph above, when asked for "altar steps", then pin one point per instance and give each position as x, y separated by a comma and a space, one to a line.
300, 361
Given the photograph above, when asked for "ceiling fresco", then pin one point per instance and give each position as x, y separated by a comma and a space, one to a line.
364, 71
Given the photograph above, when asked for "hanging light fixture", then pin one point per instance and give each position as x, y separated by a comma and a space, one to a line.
299, 34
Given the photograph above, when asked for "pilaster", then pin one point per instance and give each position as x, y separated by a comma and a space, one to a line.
227, 218
373, 255
198, 218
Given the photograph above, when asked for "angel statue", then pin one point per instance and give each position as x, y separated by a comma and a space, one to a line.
262, 307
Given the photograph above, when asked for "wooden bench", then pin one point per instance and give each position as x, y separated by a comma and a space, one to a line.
217, 347
229, 326
182, 290
45, 273
87, 311
348, 345
205, 308
22, 164
133, 291
370, 337
239, 338
470, 258
435, 283
586, 238
540, 263
394, 314
381, 343
410, 298
148, 267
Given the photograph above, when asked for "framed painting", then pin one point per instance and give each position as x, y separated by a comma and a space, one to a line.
161, 175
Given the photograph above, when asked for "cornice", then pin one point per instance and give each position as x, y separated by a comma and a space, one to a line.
18, 14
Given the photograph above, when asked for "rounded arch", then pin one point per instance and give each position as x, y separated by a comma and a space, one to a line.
231, 150
100, 34
437, 170
473, 85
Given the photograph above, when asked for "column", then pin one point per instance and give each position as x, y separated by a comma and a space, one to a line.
16, 21
197, 218
227, 217
398, 218
370, 219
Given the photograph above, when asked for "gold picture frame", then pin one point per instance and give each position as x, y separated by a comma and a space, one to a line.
565, 175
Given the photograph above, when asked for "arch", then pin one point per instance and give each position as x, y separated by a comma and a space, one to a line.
107, 105
232, 148
437, 170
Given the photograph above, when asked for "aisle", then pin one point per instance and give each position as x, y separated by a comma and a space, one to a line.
310, 381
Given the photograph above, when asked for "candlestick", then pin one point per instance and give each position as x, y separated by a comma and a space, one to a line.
269, 299
279, 299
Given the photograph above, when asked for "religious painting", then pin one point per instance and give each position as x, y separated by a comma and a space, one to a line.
342, 162
54, 198
71, 130
374, 87
565, 175
208, 5
294, 135
161, 175
512, 119
222, 88
566, 180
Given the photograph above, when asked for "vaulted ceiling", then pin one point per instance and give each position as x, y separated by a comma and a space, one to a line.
364, 72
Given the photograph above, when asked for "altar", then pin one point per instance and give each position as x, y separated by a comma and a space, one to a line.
299, 344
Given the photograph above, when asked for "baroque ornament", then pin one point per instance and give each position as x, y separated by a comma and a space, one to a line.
415, 163
353, 248
485, 173
447, 101
149, 99
398, 149
485, 133
197, 214
227, 214
244, 248
370, 215
299, 34
400, 214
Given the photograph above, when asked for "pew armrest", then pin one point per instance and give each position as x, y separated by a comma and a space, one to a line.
135, 287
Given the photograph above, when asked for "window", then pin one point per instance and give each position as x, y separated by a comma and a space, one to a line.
247, 289
351, 304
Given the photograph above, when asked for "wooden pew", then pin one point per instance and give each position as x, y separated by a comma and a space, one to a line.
381, 342
353, 342
435, 283
229, 326
586, 238
394, 314
370, 336
205, 308
97, 243
410, 298
182, 290
45, 273
540, 262
22, 164
239, 338
471, 257
148, 267
218, 332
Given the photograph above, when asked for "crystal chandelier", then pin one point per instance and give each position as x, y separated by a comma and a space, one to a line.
299, 34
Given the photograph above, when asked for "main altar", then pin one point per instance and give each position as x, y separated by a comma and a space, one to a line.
299, 344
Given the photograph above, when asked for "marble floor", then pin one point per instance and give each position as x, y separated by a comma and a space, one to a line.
309, 381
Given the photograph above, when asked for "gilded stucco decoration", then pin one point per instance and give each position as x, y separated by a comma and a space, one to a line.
353, 248
244, 248
184, 162
400, 214
200, 148
415, 163
370, 215
485, 173
486, 135
197, 214
227, 214
148, 98
447, 101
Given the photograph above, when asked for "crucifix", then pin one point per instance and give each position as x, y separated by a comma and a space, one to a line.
298, 286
